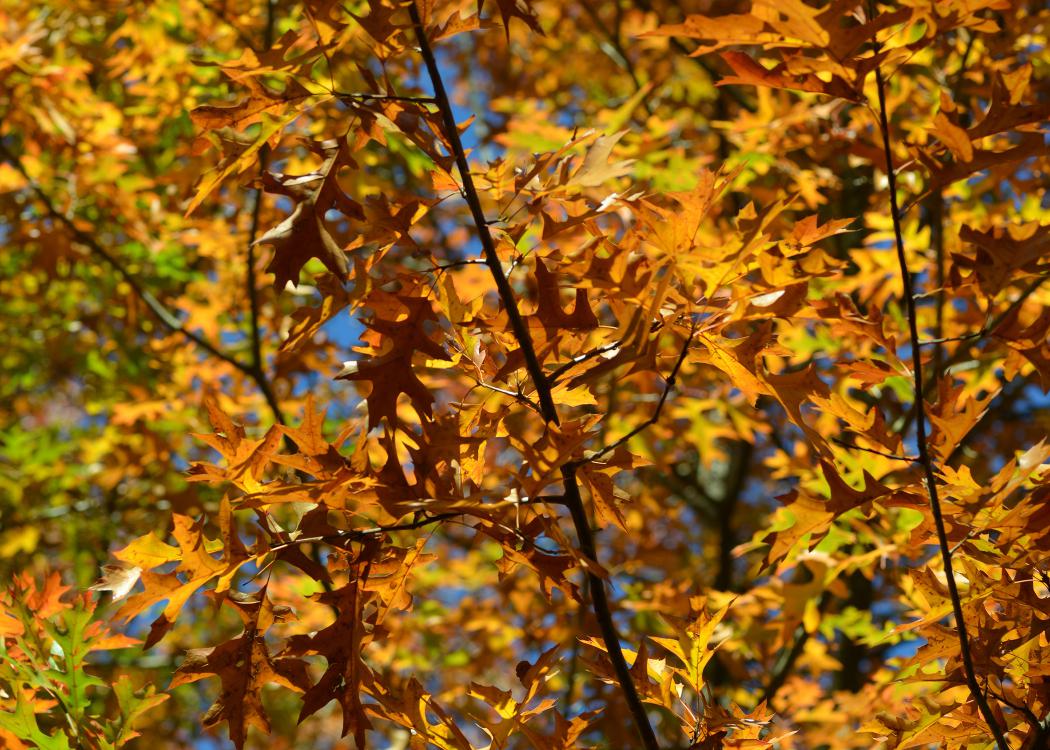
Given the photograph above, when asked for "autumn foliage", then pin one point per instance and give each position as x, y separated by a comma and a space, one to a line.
525, 374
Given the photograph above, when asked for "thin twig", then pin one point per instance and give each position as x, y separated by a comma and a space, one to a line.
516, 395
458, 264
409, 526
364, 96
580, 359
948, 339
595, 352
356, 535
920, 420
574, 501
884, 454
668, 386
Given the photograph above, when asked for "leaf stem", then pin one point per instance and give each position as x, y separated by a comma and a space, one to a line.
573, 500
920, 424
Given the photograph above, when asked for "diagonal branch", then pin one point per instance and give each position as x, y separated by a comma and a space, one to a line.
163, 314
573, 500
219, 11
873, 451
621, 57
166, 317
597, 351
920, 423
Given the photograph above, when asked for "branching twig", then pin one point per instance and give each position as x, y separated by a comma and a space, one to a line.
580, 359
668, 386
408, 526
920, 421
573, 500
357, 535
1041, 727
165, 316
960, 353
516, 395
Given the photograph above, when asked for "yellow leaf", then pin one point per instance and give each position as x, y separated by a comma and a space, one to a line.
19, 541
952, 136
740, 376
148, 552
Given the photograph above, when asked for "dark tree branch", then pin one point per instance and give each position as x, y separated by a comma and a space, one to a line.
165, 316
920, 422
599, 600
782, 669
740, 469
250, 281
